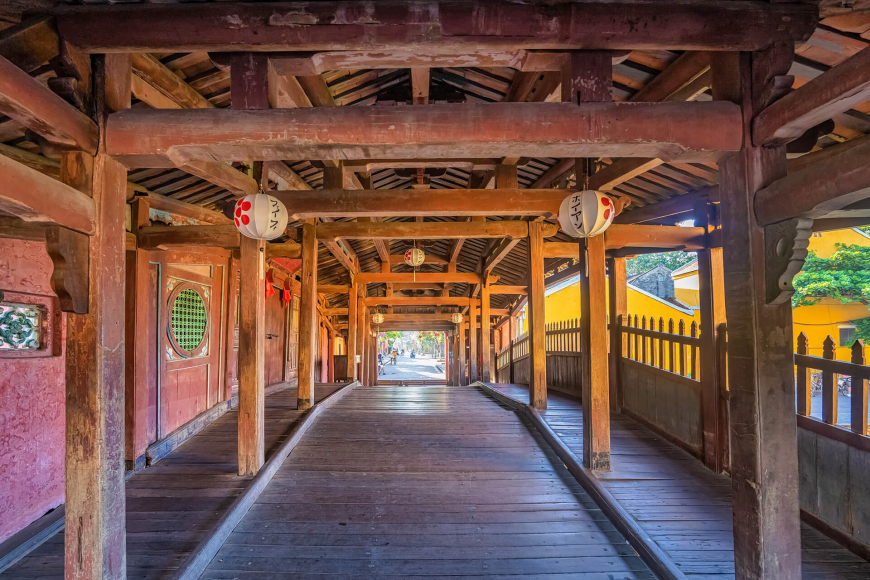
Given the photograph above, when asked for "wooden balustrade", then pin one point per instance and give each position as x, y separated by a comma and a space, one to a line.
830, 370
676, 352
563, 357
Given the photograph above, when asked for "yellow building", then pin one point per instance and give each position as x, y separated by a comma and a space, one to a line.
827, 318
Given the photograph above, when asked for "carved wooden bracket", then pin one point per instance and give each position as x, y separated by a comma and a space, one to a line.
69, 252
785, 249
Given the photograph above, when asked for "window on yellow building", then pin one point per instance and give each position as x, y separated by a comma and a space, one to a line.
847, 335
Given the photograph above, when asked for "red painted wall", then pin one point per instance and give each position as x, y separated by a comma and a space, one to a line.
31, 400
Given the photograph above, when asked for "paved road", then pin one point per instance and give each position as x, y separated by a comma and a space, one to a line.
422, 368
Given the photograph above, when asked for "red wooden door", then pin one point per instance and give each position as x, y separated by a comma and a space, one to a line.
293, 340
276, 316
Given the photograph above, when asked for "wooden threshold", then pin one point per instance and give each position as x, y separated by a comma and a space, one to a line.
163, 447
649, 551
199, 558
28, 539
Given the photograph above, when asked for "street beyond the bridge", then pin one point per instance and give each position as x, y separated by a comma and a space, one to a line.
421, 368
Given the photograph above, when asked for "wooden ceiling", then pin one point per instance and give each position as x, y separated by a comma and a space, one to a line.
640, 76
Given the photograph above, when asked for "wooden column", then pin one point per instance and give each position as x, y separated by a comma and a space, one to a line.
711, 294
248, 86
764, 465
367, 349
308, 335
352, 303
511, 324
330, 356
472, 342
463, 380
618, 290
448, 366
486, 356
360, 330
537, 329
252, 348
594, 375
94, 459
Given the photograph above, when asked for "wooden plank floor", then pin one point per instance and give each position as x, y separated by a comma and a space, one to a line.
685, 507
174, 504
423, 481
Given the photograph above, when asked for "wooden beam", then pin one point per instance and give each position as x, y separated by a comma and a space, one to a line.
683, 71
418, 300
34, 197
498, 253
504, 289
333, 289
622, 236
437, 277
537, 320
35, 107
555, 173
562, 250
183, 209
818, 189
173, 87
433, 25
223, 175
594, 372
420, 85
679, 204
694, 131
289, 250
166, 237
285, 90
30, 43
316, 90
422, 202
286, 178
428, 230
833, 92
307, 319
621, 171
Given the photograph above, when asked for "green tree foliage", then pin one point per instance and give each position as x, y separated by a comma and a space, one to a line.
646, 262
845, 276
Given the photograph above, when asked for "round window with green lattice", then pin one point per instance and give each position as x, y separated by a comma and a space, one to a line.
188, 320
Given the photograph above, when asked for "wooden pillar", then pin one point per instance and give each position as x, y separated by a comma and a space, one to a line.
594, 375
367, 349
248, 85
510, 342
462, 362
94, 459
472, 341
308, 335
537, 320
252, 348
360, 331
618, 290
764, 464
330, 355
486, 361
448, 366
352, 304
711, 294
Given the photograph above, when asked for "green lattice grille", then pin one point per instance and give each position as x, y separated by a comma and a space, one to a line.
189, 319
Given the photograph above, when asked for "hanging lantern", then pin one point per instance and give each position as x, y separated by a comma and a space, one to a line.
414, 257
260, 216
584, 214
456, 317
377, 318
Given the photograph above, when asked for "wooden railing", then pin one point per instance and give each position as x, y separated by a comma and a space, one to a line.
830, 370
666, 350
563, 357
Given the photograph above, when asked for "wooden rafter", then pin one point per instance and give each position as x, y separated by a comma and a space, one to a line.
428, 230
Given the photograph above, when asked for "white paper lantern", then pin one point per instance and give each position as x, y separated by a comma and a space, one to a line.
584, 214
456, 317
414, 257
260, 216
377, 318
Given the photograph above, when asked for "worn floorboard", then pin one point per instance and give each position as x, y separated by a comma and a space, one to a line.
424, 481
685, 507
172, 505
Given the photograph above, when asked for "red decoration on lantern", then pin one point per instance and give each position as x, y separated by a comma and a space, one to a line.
270, 291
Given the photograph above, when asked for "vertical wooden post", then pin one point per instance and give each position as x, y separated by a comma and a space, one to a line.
618, 290
764, 465
711, 290
510, 342
330, 355
830, 390
537, 320
486, 361
594, 381
859, 392
249, 80
462, 362
352, 304
804, 379
472, 341
448, 366
308, 335
94, 459
360, 331
252, 345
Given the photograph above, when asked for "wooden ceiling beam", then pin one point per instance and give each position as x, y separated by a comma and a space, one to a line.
421, 202
223, 175
687, 68
433, 24
286, 178
498, 253
173, 87
333, 289
833, 92
817, 190
696, 131
34, 106
432, 277
466, 163
34, 197
417, 300
428, 230
562, 250
166, 237
505, 289
623, 236
620, 171
679, 204
183, 209
554, 173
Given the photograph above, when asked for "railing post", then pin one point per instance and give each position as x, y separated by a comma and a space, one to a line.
829, 385
859, 392
804, 379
